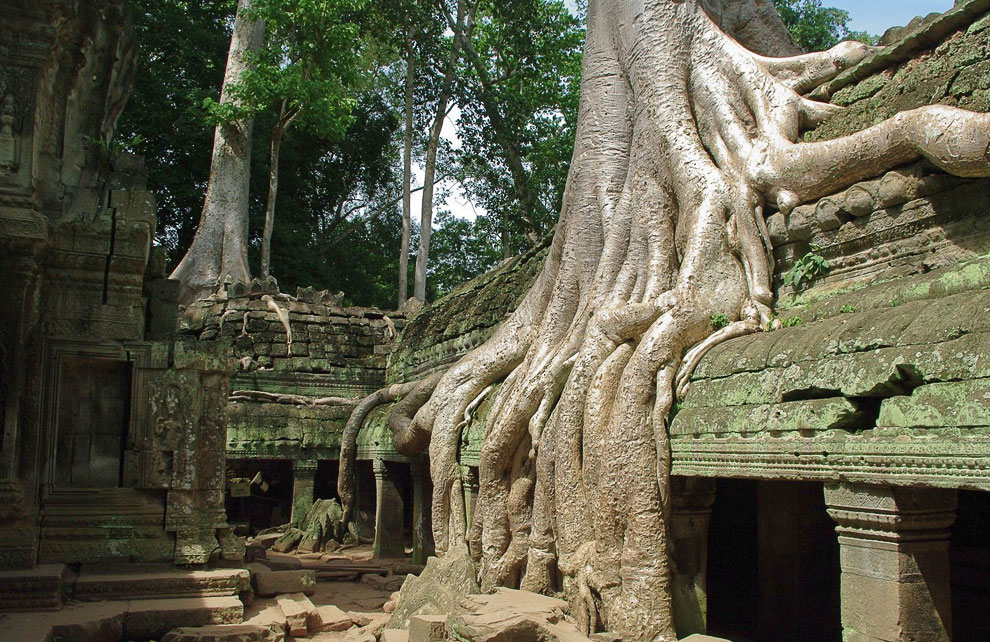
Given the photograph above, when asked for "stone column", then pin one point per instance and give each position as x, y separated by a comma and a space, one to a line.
303, 481
469, 483
388, 514
894, 555
691, 510
422, 506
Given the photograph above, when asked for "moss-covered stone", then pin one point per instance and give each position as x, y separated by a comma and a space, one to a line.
960, 403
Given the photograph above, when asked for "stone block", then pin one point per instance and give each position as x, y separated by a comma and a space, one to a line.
275, 582
330, 618
427, 628
296, 608
395, 635
38, 588
96, 586
221, 633
273, 619
150, 619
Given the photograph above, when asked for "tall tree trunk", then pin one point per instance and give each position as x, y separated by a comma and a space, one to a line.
465, 16
684, 140
219, 248
266, 239
407, 174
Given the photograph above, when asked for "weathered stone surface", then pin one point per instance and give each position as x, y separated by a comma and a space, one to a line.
288, 541
275, 582
150, 619
39, 588
509, 615
330, 618
395, 635
428, 628
92, 585
964, 403
273, 619
221, 633
438, 589
297, 608
812, 414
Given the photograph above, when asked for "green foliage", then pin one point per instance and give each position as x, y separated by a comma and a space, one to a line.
718, 321
816, 28
519, 116
806, 269
309, 63
459, 251
792, 322
847, 309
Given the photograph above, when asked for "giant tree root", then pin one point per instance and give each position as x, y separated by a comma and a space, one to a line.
685, 141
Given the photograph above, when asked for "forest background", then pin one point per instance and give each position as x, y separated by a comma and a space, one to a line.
515, 78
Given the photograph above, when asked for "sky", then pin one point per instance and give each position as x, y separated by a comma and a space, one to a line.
872, 16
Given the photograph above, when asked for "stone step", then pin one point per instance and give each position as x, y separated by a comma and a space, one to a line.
151, 619
221, 633
120, 620
97, 586
35, 589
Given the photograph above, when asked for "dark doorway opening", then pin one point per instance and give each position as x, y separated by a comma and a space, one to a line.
969, 559
773, 565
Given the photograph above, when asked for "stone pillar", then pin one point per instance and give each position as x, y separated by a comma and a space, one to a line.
469, 483
388, 514
303, 481
422, 507
894, 554
691, 510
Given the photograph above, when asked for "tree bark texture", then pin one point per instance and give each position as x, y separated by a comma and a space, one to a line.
685, 139
266, 237
407, 174
219, 248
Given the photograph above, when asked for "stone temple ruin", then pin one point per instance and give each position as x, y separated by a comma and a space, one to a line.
172, 473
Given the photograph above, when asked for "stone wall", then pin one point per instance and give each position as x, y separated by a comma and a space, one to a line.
290, 399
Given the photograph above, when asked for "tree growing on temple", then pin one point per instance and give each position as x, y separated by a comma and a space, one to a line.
685, 141
220, 245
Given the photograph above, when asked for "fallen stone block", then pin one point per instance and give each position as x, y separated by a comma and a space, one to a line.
296, 607
698, 637
330, 618
273, 619
150, 619
288, 541
221, 633
395, 635
267, 540
275, 582
390, 583
427, 628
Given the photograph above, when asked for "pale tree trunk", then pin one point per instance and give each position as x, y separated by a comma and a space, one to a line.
407, 174
465, 16
219, 248
281, 125
685, 140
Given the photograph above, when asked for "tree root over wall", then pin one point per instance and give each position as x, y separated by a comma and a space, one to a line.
684, 140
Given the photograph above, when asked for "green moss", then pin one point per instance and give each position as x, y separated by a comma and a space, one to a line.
957, 72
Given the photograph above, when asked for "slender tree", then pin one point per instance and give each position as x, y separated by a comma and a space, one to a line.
407, 141
460, 25
307, 70
219, 248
